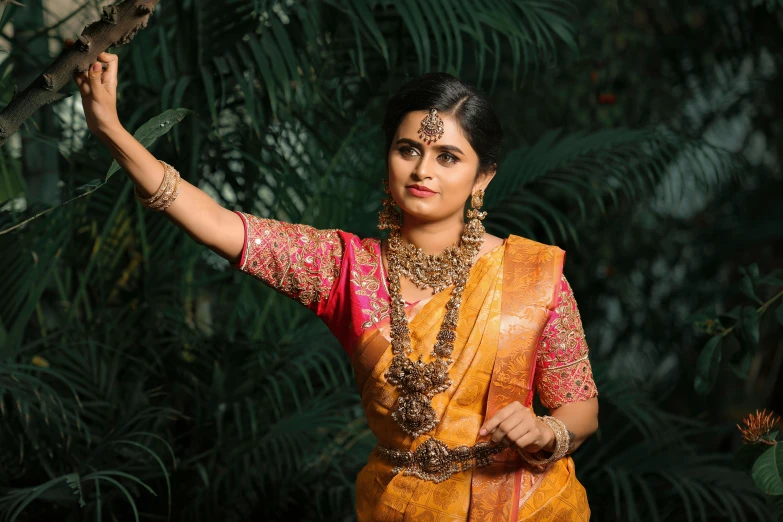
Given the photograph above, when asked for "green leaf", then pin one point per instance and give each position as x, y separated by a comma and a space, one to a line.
152, 130
28, 495
768, 471
158, 460
753, 272
601, 163
750, 281
749, 328
73, 482
748, 288
708, 364
779, 313
124, 492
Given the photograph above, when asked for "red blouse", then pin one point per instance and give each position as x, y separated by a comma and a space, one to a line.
341, 278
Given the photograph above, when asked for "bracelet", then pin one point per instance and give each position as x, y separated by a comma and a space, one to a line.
166, 193
562, 438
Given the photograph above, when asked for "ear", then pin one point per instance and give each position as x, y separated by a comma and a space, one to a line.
483, 179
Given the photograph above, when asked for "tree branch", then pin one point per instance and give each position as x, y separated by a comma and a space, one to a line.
118, 26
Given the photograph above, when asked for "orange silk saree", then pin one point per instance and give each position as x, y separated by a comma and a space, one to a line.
506, 304
519, 330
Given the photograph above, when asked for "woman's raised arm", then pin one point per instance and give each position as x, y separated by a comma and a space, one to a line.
193, 211
296, 260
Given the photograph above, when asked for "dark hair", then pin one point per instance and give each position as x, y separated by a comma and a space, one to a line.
469, 106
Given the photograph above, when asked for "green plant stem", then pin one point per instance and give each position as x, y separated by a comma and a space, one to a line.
760, 310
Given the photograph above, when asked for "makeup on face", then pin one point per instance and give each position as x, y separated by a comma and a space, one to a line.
420, 191
449, 150
419, 170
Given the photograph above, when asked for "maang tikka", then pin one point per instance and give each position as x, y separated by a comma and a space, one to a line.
431, 129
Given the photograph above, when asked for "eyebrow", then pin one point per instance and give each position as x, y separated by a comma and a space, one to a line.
414, 143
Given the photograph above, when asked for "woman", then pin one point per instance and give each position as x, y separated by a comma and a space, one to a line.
448, 341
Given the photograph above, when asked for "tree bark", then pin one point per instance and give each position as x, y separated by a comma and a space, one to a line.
118, 26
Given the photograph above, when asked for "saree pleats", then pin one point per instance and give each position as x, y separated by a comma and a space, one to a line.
506, 303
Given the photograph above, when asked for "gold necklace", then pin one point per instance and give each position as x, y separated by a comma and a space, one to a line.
438, 270
417, 381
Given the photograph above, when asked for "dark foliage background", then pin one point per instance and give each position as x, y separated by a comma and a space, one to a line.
142, 379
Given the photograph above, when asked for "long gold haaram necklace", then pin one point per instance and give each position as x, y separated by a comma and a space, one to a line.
418, 382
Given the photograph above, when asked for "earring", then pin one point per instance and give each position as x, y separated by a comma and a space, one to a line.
474, 228
389, 218
475, 204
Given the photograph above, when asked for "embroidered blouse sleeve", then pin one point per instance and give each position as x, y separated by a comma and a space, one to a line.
563, 372
297, 260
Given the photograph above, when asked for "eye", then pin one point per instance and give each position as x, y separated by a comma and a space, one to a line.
406, 151
448, 158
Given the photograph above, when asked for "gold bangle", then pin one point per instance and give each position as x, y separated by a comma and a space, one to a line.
169, 195
562, 438
159, 192
170, 190
166, 193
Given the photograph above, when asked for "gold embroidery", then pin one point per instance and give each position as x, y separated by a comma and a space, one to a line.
366, 281
298, 260
564, 372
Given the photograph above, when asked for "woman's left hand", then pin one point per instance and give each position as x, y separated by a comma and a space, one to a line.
516, 426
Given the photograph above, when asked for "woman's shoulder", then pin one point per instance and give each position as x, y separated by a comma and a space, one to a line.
530, 243
491, 242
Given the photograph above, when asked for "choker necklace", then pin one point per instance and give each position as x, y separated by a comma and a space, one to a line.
439, 270
417, 381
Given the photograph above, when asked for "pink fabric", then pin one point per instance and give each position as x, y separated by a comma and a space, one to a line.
341, 278
563, 372
360, 298
334, 273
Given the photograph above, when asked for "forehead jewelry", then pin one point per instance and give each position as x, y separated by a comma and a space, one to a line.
431, 129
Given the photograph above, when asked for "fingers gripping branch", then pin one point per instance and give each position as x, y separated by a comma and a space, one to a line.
118, 26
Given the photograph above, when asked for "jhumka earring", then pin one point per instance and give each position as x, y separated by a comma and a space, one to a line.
389, 218
474, 226
431, 129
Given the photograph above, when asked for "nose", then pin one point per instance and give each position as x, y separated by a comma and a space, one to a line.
422, 170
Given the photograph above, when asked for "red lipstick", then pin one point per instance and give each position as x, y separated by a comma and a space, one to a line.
420, 191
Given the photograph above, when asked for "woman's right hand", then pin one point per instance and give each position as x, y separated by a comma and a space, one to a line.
98, 89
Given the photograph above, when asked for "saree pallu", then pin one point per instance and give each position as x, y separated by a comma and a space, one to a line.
506, 304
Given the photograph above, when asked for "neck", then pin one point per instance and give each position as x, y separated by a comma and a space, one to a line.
433, 237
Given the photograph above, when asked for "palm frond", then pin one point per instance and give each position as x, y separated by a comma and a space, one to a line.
599, 170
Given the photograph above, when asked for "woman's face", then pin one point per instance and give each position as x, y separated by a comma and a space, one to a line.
432, 182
